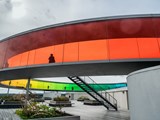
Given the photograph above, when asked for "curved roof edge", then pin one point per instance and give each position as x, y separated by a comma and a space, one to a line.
82, 21
144, 70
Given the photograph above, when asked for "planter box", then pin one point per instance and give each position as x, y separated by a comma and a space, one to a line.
47, 98
60, 103
59, 118
91, 102
38, 100
80, 100
12, 104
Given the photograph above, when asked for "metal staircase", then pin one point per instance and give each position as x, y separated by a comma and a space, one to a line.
105, 99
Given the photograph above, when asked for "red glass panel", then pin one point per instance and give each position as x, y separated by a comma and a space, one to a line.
130, 28
3, 48
156, 24
86, 31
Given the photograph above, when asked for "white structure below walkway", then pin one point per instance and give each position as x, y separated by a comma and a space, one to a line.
144, 94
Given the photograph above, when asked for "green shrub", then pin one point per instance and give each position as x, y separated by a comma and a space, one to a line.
61, 98
18, 97
82, 98
33, 110
6, 98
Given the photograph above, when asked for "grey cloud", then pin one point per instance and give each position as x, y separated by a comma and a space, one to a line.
45, 12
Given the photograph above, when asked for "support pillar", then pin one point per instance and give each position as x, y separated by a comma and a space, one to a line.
27, 91
8, 88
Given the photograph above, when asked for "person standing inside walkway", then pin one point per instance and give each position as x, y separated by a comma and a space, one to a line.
51, 59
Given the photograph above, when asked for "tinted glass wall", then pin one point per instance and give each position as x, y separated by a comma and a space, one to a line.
121, 39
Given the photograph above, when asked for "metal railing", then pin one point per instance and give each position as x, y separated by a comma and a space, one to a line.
105, 94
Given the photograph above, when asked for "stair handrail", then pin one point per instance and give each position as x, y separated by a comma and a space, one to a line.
73, 78
87, 91
104, 90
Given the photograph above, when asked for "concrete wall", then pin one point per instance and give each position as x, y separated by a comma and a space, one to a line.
74, 95
120, 95
144, 94
51, 94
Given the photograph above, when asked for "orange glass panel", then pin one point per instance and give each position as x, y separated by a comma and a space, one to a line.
123, 48
148, 47
31, 57
93, 50
58, 53
71, 52
43, 54
24, 59
15, 61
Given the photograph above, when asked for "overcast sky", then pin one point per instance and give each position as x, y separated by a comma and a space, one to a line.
21, 15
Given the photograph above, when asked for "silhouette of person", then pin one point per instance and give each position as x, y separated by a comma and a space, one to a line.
6, 65
51, 59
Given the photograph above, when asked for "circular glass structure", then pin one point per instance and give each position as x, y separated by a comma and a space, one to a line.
123, 44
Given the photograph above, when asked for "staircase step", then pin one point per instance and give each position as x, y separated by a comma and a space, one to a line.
91, 91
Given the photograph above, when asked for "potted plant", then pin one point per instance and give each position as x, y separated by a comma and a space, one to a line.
15, 101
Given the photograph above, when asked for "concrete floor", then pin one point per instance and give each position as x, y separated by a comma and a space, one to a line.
8, 114
87, 112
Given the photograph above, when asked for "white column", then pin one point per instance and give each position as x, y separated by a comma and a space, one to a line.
144, 94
